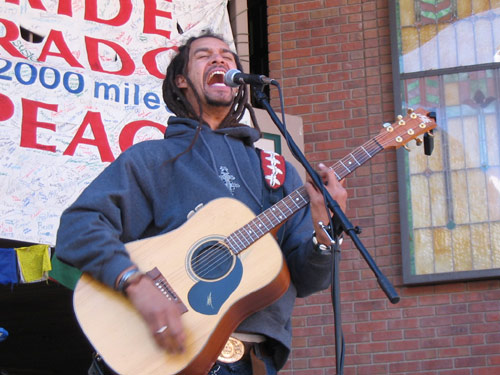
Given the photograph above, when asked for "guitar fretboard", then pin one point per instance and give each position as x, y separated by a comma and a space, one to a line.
267, 220
357, 158
289, 205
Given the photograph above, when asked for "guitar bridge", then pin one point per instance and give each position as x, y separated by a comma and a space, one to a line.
162, 284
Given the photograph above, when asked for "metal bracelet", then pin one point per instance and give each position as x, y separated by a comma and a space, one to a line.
123, 283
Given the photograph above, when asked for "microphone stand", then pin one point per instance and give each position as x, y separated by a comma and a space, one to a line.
341, 224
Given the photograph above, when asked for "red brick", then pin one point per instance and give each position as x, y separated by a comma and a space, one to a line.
495, 370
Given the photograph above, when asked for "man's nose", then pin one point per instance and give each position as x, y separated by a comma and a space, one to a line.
217, 58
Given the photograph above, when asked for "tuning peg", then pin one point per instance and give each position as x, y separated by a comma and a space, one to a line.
431, 134
418, 141
410, 111
406, 148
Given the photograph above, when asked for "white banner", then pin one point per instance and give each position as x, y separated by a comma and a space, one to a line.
80, 82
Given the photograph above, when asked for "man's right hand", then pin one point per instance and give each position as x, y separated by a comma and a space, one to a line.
158, 312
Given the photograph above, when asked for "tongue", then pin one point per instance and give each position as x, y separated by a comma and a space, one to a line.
216, 79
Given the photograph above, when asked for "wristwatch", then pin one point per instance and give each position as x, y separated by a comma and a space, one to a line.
132, 276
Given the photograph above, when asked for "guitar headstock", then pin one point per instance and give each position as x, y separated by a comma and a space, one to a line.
405, 129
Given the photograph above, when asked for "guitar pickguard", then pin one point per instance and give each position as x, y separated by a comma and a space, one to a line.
207, 297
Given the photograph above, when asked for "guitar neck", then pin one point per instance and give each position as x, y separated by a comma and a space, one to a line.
277, 214
357, 158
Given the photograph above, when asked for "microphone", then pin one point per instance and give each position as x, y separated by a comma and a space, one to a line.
235, 78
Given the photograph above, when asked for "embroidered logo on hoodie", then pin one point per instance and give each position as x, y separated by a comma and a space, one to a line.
228, 179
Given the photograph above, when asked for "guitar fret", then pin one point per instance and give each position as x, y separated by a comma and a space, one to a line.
266, 220
263, 224
257, 228
244, 239
353, 158
253, 236
369, 156
293, 200
270, 219
281, 216
232, 244
283, 203
360, 158
301, 193
240, 245
271, 211
348, 170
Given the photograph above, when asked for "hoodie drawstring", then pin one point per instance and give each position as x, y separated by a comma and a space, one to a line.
240, 174
212, 158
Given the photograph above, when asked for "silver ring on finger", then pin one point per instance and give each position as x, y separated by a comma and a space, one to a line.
162, 329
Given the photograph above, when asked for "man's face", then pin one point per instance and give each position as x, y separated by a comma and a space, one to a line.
209, 60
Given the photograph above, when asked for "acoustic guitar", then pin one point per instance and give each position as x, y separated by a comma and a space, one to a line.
220, 266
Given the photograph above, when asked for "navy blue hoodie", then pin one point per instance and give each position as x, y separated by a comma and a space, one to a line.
142, 194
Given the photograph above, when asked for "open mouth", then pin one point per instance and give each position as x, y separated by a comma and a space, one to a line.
216, 78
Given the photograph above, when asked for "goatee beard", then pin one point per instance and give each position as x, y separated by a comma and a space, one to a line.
218, 102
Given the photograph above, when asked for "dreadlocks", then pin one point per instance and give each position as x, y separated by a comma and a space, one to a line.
176, 100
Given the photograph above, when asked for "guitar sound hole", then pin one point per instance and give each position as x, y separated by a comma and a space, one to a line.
212, 260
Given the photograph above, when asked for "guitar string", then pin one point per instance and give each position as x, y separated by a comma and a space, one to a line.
380, 141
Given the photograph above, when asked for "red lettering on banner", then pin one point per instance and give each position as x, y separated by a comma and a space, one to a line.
100, 139
65, 8
130, 130
121, 18
150, 14
30, 124
11, 34
57, 38
35, 4
149, 61
92, 45
6, 107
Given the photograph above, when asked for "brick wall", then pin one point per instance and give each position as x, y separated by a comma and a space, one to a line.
333, 60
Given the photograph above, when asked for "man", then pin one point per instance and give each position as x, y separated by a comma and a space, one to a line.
153, 186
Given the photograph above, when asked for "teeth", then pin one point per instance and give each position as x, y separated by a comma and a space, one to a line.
216, 72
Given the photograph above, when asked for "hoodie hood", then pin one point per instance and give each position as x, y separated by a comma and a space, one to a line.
178, 126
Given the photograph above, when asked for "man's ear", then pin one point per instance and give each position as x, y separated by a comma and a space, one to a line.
180, 81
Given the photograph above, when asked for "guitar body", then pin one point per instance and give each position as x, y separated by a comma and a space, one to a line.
216, 300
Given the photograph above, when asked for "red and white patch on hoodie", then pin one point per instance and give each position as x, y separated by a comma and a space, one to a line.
274, 168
